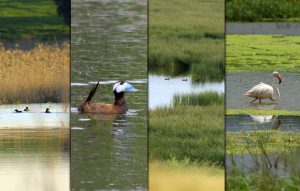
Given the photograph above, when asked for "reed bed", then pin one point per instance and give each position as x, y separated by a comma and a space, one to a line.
267, 10
187, 34
200, 99
193, 133
39, 75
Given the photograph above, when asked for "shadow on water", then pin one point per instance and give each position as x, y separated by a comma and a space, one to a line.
109, 44
238, 83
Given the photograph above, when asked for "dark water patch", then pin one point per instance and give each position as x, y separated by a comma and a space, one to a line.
279, 28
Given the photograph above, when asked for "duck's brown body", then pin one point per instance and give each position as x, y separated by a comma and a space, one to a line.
119, 106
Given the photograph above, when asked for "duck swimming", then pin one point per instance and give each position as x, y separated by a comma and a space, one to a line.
26, 109
47, 110
119, 105
18, 111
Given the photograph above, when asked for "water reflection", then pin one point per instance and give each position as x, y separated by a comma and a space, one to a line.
34, 159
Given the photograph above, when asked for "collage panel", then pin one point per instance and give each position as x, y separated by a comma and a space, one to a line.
109, 95
186, 95
262, 85
34, 96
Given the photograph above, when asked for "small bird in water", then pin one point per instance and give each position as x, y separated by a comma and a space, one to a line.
185, 79
26, 109
47, 110
119, 105
18, 111
167, 78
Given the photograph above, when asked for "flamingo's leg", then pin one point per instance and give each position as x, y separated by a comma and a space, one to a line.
254, 100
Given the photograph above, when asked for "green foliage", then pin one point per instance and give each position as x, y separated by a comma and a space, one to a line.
187, 35
253, 53
266, 10
261, 112
64, 9
31, 20
201, 99
192, 133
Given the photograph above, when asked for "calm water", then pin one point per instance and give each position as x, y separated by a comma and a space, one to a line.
34, 159
236, 123
109, 43
161, 91
238, 83
263, 28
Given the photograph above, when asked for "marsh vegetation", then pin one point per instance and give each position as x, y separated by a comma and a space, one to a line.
267, 10
38, 75
186, 39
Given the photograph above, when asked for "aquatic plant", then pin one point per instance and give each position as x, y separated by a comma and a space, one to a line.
201, 99
38, 75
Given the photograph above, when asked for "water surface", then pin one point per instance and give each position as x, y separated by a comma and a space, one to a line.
238, 83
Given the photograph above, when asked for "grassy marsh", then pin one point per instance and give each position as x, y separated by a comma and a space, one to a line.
267, 10
195, 133
253, 53
31, 20
272, 162
39, 75
187, 35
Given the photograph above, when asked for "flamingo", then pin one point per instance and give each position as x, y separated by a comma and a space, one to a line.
265, 91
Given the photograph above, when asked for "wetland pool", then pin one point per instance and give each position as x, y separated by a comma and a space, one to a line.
109, 152
238, 83
161, 91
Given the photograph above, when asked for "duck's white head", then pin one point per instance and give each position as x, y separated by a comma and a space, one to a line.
123, 87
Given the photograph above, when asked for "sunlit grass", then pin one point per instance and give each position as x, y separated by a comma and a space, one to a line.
38, 75
178, 176
189, 34
257, 53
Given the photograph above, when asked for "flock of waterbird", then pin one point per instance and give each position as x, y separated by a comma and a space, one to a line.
27, 110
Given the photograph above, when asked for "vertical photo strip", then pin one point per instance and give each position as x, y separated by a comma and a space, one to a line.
262, 95
34, 96
109, 95
186, 95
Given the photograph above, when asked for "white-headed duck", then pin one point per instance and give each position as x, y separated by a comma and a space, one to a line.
47, 110
18, 111
26, 109
119, 105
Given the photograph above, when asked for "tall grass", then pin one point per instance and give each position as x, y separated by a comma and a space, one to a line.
39, 75
195, 133
189, 34
267, 10
201, 99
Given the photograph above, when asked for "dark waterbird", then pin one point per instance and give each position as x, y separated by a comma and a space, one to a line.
119, 105
18, 111
167, 78
47, 110
26, 109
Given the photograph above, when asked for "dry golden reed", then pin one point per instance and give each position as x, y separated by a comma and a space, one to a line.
38, 75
